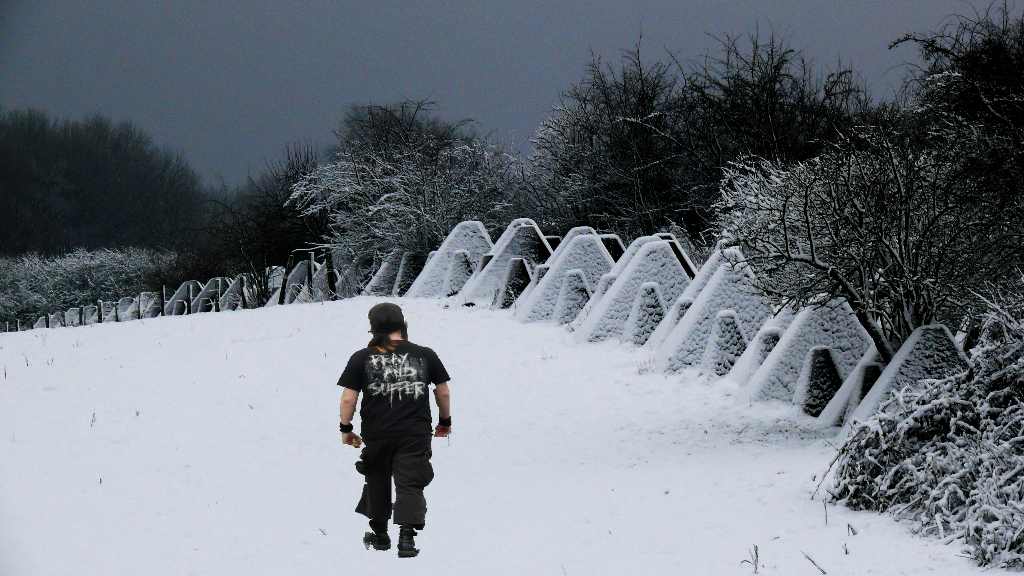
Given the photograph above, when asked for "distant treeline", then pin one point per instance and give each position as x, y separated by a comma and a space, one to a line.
68, 184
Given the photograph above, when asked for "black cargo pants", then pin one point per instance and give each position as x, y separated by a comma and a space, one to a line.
407, 459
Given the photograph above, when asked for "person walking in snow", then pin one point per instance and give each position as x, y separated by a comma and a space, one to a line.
393, 376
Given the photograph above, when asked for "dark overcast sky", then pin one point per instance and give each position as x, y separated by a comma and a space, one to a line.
229, 82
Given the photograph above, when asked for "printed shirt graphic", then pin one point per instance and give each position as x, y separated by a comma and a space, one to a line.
394, 386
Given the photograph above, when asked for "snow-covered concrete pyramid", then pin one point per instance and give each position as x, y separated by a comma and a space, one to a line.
128, 308
725, 344
298, 281
522, 239
460, 270
150, 304
673, 315
72, 317
606, 280
833, 325
383, 281
57, 320
583, 252
541, 269
647, 312
572, 297
681, 254
855, 386
613, 244
208, 299
239, 294
758, 349
40, 323
516, 280
681, 305
92, 315
929, 353
180, 301
731, 287
107, 309
347, 277
408, 269
655, 261
819, 381
471, 239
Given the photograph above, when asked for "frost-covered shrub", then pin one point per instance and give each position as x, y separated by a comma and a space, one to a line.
33, 285
949, 454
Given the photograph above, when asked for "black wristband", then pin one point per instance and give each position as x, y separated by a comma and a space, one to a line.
345, 428
446, 422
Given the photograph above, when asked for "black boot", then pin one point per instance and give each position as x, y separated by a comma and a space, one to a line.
407, 542
378, 539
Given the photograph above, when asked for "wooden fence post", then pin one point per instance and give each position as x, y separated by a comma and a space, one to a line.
331, 287
284, 279
99, 311
309, 274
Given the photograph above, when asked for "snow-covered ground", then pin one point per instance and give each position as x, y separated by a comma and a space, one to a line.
208, 445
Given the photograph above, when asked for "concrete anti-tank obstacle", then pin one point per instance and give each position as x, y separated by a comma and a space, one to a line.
929, 353
655, 261
833, 325
469, 237
572, 297
514, 284
523, 240
818, 382
647, 312
726, 344
731, 287
585, 253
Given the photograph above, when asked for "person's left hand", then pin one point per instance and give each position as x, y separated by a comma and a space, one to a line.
442, 431
352, 439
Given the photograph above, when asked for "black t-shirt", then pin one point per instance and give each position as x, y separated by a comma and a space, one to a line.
394, 387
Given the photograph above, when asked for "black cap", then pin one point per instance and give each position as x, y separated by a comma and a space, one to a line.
386, 318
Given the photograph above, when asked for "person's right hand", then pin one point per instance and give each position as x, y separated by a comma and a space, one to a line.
352, 439
442, 431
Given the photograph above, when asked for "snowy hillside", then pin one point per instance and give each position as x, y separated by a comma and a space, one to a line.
208, 444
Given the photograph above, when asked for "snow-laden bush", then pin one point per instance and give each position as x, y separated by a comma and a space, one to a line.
32, 285
949, 454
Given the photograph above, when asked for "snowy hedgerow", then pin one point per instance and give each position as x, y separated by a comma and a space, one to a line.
949, 454
33, 285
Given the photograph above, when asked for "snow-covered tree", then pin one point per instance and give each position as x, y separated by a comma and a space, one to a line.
403, 182
878, 220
